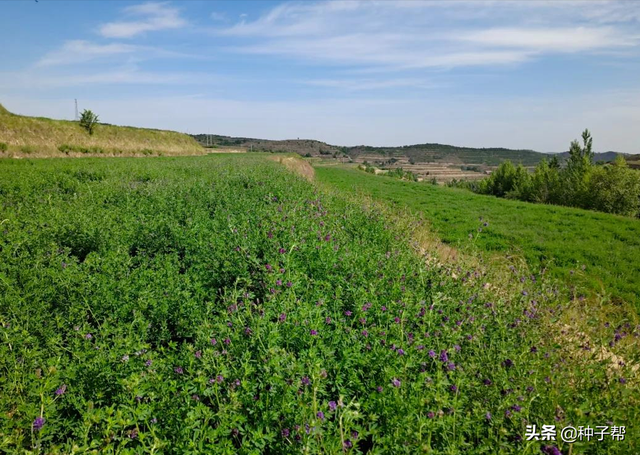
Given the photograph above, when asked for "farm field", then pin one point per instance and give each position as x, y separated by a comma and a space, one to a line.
221, 304
596, 250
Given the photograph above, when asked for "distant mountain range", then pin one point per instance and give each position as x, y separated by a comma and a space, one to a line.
418, 153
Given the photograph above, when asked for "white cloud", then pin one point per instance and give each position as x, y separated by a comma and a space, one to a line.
152, 17
79, 51
415, 34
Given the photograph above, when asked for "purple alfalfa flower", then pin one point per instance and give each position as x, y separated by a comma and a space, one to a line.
379, 389
432, 354
198, 354
289, 284
516, 408
278, 282
451, 366
525, 293
248, 331
285, 433
431, 414
38, 423
507, 413
154, 421
348, 313
214, 341
508, 363
453, 388
383, 308
327, 237
61, 390
420, 347
533, 349
550, 450
282, 251
365, 333
332, 405
363, 321
313, 332
229, 324
457, 348
148, 362
133, 434
327, 320
400, 351
320, 415
355, 434
125, 358
178, 370
305, 380
195, 397
219, 379
282, 317
268, 267
227, 341
487, 416
396, 382
88, 336
347, 444
282, 270
396, 320
443, 356
623, 381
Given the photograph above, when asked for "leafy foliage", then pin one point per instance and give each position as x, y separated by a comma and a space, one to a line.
612, 188
221, 305
88, 120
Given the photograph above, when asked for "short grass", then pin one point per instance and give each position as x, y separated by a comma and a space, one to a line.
38, 136
223, 305
596, 249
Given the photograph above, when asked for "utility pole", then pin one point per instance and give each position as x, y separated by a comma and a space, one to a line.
76, 100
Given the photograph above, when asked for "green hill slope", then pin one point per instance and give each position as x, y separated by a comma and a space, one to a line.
38, 136
599, 250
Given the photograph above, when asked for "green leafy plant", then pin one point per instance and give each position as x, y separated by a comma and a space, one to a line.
88, 120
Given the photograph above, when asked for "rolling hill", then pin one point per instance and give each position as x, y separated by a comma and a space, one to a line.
39, 136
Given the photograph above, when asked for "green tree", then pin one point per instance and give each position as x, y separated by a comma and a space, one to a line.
545, 182
615, 188
575, 176
88, 120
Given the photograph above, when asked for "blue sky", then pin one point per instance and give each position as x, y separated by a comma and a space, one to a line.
475, 73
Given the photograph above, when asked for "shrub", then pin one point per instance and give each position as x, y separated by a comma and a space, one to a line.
3, 147
27, 149
88, 120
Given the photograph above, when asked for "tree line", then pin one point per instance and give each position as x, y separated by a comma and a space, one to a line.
611, 188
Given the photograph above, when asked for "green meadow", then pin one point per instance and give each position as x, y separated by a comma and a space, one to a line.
599, 252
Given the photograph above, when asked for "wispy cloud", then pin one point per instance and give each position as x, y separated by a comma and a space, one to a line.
79, 51
414, 34
150, 17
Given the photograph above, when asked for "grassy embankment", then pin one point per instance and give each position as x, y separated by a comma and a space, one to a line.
220, 304
44, 137
595, 250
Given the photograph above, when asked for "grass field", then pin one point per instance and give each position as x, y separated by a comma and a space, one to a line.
598, 250
221, 304
44, 137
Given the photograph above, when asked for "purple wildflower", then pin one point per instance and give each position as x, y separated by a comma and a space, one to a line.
400, 352
148, 362
268, 267
198, 354
227, 341
133, 434
289, 284
348, 313
451, 366
125, 358
282, 251
332, 405
508, 363
214, 341
396, 382
383, 308
219, 379
453, 388
443, 356
61, 390
487, 382
305, 380
178, 370
431, 414
320, 415
38, 423
313, 332
432, 353
283, 317
285, 433
487, 416
550, 450
88, 336
348, 444
278, 282
379, 389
